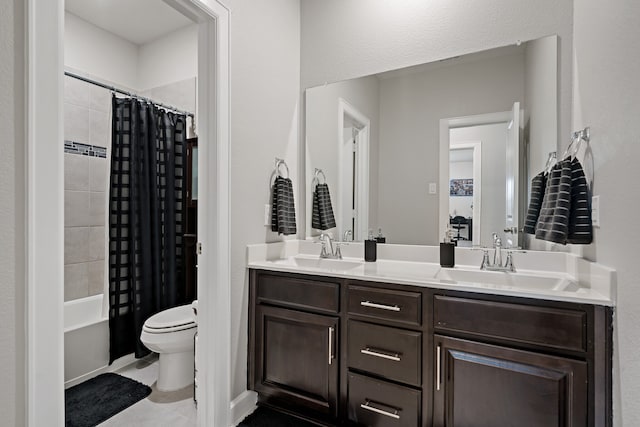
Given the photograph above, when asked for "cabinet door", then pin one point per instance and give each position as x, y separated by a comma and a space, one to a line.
485, 385
296, 363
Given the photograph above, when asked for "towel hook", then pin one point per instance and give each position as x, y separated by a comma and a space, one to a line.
583, 135
280, 162
316, 176
551, 160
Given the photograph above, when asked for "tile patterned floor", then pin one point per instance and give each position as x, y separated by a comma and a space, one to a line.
175, 409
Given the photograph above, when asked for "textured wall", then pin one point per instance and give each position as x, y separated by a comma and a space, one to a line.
12, 223
606, 88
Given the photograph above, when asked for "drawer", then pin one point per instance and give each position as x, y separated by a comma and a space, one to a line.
391, 353
378, 403
386, 304
298, 293
549, 327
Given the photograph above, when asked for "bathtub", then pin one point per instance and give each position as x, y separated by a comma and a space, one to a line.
86, 340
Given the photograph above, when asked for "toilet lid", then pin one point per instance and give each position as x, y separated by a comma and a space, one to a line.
180, 317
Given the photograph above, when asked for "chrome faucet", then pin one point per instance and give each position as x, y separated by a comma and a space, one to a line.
327, 250
497, 258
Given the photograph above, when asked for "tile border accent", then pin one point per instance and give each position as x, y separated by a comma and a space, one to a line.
73, 147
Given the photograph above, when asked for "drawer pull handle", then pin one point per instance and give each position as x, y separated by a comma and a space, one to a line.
367, 405
380, 306
438, 375
378, 353
330, 345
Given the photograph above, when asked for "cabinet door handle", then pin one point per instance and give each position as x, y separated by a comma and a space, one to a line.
380, 306
367, 405
378, 353
330, 344
438, 375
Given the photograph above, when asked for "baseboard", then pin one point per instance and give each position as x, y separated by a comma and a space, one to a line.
242, 406
116, 365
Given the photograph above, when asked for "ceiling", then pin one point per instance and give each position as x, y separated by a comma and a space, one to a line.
138, 21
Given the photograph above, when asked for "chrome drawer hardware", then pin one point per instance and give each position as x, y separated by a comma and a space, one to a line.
367, 405
378, 353
438, 368
330, 345
380, 306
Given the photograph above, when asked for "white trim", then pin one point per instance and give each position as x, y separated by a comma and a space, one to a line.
243, 405
45, 214
118, 364
445, 126
45, 210
362, 177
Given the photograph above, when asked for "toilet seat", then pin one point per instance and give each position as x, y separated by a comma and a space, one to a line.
172, 320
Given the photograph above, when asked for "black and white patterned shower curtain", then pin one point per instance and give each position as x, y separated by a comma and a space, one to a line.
146, 205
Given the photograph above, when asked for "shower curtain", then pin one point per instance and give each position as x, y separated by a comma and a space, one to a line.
146, 205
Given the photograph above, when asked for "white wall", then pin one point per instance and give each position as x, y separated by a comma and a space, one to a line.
169, 59
321, 105
494, 140
606, 88
12, 214
345, 39
541, 61
411, 107
106, 56
99, 53
265, 91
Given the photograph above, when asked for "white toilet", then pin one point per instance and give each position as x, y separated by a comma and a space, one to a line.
170, 333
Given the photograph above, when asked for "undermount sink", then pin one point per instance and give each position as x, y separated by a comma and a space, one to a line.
491, 279
321, 263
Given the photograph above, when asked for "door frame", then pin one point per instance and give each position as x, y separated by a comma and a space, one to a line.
445, 126
362, 166
45, 210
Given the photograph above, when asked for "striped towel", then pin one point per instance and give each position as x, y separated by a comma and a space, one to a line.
283, 210
538, 184
322, 216
565, 216
580, 227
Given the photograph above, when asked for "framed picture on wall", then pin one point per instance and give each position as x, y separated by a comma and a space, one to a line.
461, 187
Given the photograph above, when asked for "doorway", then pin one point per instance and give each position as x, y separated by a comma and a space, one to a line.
353, 172
503, 209
45, 226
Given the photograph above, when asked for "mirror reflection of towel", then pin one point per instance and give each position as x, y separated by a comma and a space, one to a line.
283, 210
322, 216
538, 184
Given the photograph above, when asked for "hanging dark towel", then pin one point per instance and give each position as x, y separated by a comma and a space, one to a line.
322, 216
538, 184
283, 210
565, 216
553, 222
580, 227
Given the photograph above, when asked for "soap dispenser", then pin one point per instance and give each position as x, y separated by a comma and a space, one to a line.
370, 248
447, 250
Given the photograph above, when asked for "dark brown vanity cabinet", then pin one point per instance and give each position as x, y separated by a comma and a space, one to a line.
295, 334
486, 385
345, 352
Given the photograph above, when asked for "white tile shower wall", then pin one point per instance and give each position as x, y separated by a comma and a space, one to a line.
87, 121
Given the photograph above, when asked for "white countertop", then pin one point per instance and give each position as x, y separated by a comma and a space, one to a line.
542, 275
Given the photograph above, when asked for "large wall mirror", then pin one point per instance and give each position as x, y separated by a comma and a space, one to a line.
453, 142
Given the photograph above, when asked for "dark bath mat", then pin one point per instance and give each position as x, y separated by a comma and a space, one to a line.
94, 401
266, 417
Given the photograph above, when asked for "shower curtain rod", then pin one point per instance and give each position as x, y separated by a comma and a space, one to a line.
124, 92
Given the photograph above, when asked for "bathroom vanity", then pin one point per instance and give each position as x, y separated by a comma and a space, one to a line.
407, 343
